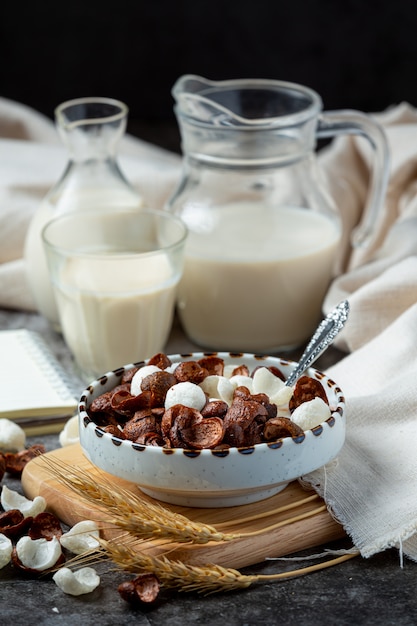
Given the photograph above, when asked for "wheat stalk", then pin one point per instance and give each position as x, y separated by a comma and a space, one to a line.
131, 513
147, 520
268, 512
177, 574
205, 578
174, 574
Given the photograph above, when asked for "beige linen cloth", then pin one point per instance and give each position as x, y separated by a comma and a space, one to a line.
371, 488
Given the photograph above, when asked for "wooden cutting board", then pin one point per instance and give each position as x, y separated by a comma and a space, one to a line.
315, 530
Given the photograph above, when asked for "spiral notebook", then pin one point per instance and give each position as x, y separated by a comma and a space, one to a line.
34, 391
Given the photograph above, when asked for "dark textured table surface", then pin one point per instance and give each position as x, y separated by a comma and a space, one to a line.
375, 591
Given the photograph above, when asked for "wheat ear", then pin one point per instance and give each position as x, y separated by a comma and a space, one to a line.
130, 513
148, 520
205, 578
176, 574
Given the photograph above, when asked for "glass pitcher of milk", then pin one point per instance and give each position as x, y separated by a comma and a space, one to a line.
90, 128
263, 233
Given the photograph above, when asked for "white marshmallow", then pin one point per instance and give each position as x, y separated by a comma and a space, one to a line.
171, 368
264, 381
242, 381
311, 413
84, 580
186, 393
81, 537
218, 387
12, 436
136, 382
70, 433
228, 370
282, 397
13, 500
38, 554
6, 548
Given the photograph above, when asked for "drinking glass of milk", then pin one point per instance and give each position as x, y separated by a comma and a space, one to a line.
263, 232
115, 276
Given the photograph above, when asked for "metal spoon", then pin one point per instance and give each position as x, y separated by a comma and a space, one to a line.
321, 340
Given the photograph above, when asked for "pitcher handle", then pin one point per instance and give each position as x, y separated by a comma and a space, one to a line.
347, 122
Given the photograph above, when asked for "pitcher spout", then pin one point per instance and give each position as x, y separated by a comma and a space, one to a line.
244, 103
247, 122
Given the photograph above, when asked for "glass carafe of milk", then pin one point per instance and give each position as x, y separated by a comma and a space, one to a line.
90, 129
263, 233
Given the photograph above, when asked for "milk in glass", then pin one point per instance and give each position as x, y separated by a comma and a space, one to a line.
106, 302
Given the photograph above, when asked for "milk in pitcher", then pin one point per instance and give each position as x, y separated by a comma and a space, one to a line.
271, 267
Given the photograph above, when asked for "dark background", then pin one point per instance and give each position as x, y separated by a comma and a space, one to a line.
356, 53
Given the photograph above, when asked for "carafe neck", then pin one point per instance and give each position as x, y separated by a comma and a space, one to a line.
91, 128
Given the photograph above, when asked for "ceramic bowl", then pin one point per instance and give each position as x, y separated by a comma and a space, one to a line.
210, 478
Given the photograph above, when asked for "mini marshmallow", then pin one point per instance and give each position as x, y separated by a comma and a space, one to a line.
171, 368
38, 554
12, 436
311, 413
218, 387
6, 548
186, 393
264, 381
70, 433
136, 382
13, 500
282, 398
242, 381
84, 580
82, 537
228, 370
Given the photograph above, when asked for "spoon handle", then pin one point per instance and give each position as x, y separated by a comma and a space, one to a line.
322, 338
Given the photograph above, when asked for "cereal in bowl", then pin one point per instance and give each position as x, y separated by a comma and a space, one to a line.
204, 404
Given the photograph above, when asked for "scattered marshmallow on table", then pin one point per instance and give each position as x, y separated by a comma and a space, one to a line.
70, 433
6, 548
38, 554
82, 537
77, 583
12, 436
13, 500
